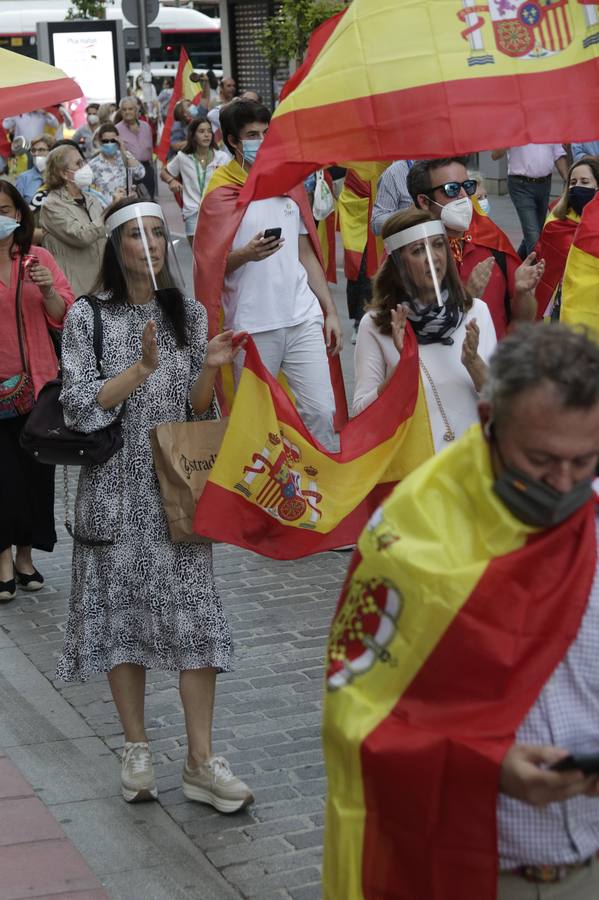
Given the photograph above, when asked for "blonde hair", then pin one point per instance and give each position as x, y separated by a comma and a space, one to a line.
53, 174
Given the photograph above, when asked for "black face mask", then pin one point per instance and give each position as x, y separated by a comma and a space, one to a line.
578, 197
534, 502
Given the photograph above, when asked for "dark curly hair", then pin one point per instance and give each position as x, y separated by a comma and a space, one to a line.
388, 289
112, 280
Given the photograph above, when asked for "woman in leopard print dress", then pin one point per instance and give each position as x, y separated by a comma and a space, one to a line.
139, 601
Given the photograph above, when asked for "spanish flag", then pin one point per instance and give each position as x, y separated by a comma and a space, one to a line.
27, 84
553, 246
580, 304
406, 79
327, 236
355, 209
183, 89
220, 217
277, 491
453, 617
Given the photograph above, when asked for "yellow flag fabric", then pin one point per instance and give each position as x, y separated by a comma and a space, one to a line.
27, 84
437, 650
580, 286
404, 79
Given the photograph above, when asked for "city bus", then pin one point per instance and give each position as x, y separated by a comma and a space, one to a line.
180, 26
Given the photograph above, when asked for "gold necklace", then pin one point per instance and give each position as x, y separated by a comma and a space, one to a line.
449, 434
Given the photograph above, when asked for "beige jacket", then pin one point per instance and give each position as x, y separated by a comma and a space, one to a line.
75, 235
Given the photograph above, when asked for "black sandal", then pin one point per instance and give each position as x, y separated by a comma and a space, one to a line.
33, 582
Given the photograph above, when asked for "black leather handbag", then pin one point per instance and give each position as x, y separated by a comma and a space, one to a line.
45, 435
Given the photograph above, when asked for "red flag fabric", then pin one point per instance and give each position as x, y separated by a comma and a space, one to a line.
460, 78
183, 89
554, 246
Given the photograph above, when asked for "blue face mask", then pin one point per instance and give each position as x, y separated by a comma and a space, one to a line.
250, 149
109, 149
7, 226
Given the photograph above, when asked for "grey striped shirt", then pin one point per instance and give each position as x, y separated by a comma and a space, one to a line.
391, 194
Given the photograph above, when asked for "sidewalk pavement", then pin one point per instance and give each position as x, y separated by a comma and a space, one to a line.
66, 830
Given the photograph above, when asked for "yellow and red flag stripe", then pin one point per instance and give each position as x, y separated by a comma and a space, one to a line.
460, 77
355, 209
275, 490
220, 216
183, 89
453, 617
327, 232
27, 84
581, 277
553, 246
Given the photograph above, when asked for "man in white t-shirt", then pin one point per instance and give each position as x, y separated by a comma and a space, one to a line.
275, 287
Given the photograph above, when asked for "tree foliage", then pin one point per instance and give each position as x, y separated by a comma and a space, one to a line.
87, 9
285, 36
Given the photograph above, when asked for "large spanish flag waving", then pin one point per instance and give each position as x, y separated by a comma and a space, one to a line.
277, 491
453, 617
580, 288
183, 89
403, 79
27, 84
220, 217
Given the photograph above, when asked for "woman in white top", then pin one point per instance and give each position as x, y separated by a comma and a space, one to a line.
191, 169
418, 284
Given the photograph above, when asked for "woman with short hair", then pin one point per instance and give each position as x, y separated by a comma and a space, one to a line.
71, 218
418, 287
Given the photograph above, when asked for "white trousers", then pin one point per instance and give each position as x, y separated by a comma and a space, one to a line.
300, 351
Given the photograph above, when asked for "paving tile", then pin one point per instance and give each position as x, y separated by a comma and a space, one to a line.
41, 868
12, 783
26, 819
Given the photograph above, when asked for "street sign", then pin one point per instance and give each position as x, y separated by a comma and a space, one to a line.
130, 12
131, 38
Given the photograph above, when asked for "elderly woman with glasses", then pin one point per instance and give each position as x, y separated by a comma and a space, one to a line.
115, 170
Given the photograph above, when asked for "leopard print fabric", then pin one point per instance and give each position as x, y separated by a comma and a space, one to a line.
141, 599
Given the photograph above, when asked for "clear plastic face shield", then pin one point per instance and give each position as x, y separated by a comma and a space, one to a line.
423, 259
144, 249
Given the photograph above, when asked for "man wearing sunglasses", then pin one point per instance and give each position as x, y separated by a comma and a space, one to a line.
487, 262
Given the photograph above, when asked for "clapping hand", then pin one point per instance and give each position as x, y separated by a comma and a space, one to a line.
479, 277
399, 317
150, 359
223, 348
470, 345
529, 274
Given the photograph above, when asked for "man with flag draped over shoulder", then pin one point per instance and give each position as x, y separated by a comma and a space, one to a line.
461, 720
262, 261
486, 260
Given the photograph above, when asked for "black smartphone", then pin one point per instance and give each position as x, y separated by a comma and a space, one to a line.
582, 762
271, 233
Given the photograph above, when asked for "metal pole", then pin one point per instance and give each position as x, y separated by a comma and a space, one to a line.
144, 51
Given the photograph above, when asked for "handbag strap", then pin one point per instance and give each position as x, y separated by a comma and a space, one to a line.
20, 327
98, 337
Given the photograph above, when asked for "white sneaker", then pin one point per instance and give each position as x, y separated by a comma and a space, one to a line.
137, 773
214, 783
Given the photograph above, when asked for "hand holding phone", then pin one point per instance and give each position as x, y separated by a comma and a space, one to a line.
272, 234
588, 763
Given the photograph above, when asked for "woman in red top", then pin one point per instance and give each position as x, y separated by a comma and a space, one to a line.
26, 487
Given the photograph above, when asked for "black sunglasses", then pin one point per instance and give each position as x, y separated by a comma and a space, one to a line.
452, 188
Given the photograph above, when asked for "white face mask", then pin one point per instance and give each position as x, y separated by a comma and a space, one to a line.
457, 214
84, 176
40, 163
92, 119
